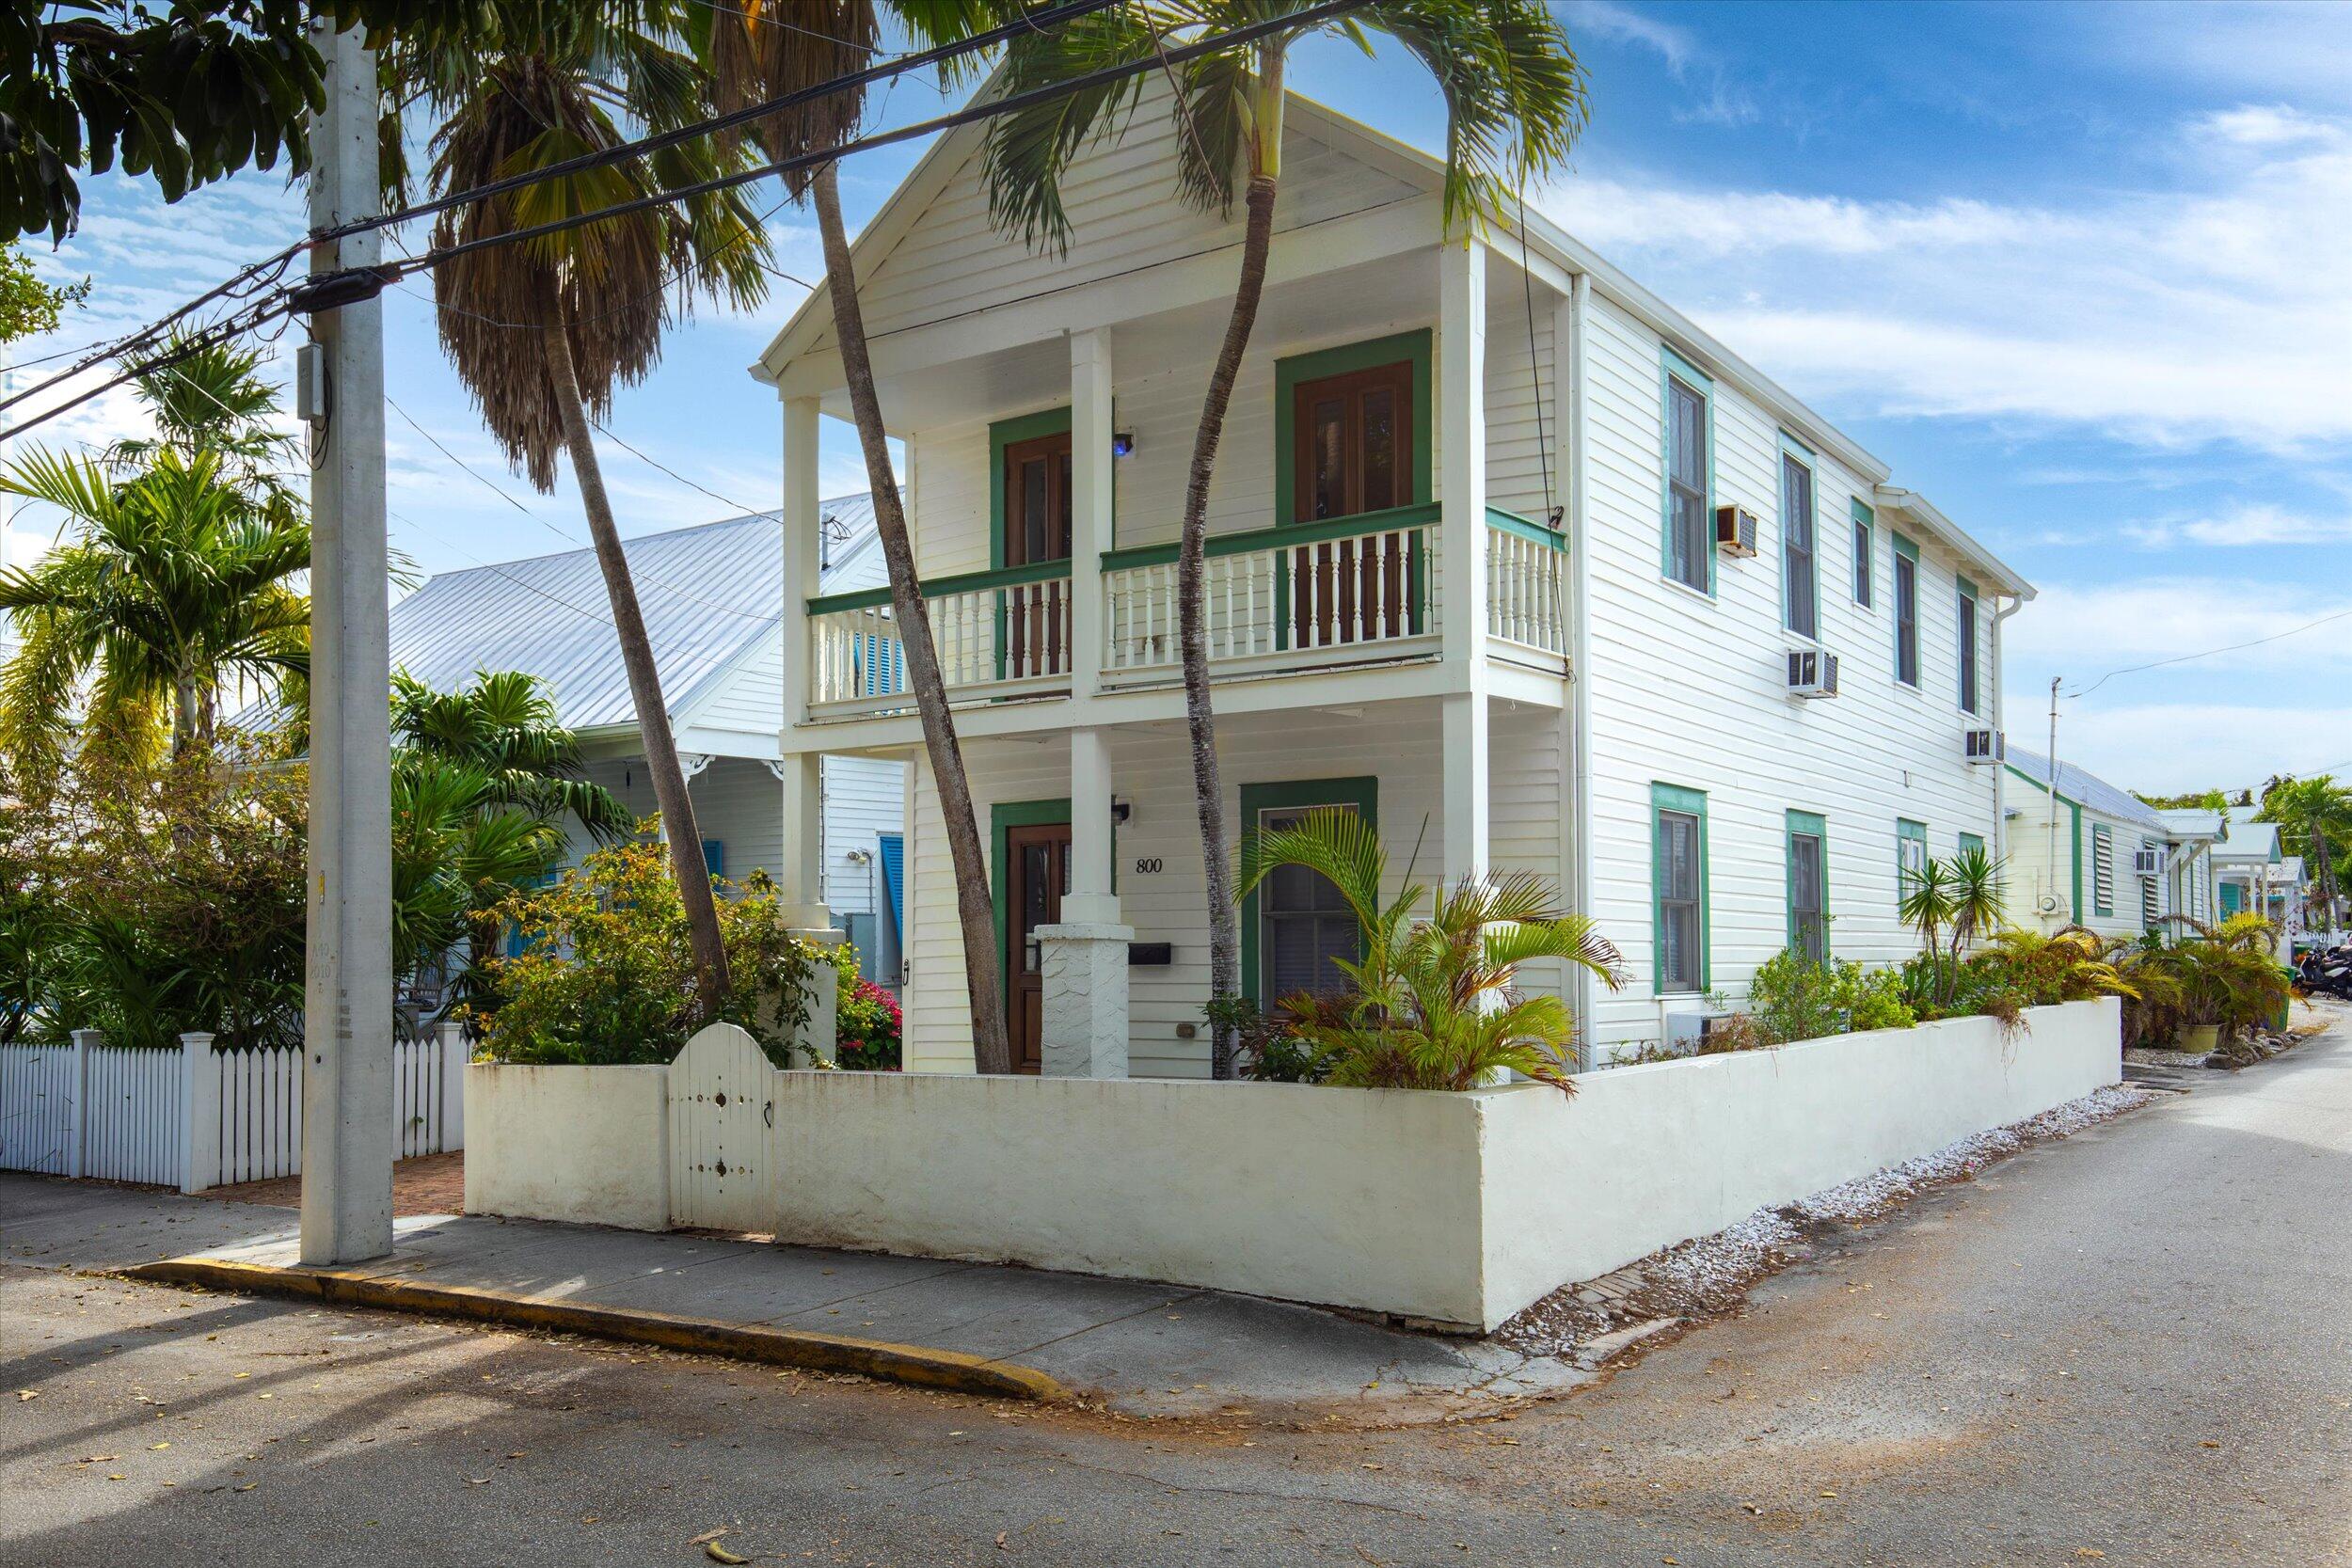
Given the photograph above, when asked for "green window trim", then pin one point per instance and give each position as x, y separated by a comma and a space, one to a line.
1292, 795
1907, 831
1693, 803
1814, 824
1906, 550
1865, 565
1971, 841
2075, 812
1003, 433
1413, 347
1966, 668
1673, 366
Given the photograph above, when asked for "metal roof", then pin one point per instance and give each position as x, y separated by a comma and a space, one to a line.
2087, 789
2249, 840
707, 593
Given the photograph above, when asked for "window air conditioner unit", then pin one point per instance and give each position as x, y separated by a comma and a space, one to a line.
1735, 530
1688, 1032
1812, 673
2148, 862
1986, 747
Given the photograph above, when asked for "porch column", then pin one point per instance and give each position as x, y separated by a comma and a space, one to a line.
1083, 958
802, 554
800, 884
1091, 491
1462, 549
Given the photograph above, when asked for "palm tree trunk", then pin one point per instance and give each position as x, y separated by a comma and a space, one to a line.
1208, 785
644, 687
992, 1043
184, 697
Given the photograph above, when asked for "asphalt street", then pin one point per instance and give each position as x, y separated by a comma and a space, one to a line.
2130, 1347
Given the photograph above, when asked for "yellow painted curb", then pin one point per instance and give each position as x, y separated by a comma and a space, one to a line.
918, 1365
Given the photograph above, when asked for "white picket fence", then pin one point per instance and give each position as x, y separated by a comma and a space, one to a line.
198, 1117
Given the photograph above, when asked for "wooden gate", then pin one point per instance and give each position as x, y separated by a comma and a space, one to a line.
722, 1135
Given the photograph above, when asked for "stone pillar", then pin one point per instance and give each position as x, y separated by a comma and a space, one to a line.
1085, 1026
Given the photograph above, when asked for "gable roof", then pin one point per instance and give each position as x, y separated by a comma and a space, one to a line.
812, 320
708, 593
2194, 822
2086, 789
2250, 840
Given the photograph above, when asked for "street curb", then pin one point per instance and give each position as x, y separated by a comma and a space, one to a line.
919, 1366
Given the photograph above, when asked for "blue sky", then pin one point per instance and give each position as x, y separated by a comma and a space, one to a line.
2077, 272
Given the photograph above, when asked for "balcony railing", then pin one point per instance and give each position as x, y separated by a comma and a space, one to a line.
1525, 569
998, 634
1297, 596
1300, 597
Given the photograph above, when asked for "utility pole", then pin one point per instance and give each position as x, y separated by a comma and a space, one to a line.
2050, 856
347, 1001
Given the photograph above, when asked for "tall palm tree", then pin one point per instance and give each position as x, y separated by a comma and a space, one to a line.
2316, 814
542, 332
217, 399
1515, 100
760, 56
505, 724
173, 584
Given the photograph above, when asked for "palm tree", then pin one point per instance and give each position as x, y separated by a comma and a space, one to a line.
505, 724
1515, 97
758, 56
542, 332
1433, 1004
216, 399
2315, 813
174, 584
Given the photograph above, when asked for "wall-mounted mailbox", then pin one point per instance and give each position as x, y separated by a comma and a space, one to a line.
1159, 954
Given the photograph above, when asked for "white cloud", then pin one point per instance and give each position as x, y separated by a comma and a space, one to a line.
2252, 525
2083, 632
2163, 748
2221, 310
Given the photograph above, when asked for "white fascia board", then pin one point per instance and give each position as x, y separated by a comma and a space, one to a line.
1894, 497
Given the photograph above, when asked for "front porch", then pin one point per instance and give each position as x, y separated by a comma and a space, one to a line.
1094, 862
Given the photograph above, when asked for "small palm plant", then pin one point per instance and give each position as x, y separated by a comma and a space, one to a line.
1434, 1004
1952, 904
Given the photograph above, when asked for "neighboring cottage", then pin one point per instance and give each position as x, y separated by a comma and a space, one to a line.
1455, 476
2083, 852
708, 595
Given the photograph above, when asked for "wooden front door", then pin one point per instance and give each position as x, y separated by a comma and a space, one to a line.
1352, 454
1037, 875
1037, 528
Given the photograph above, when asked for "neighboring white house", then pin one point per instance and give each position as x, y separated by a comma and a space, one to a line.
709, 596
1393, 619
2197, 835
2084, 852
2250, 873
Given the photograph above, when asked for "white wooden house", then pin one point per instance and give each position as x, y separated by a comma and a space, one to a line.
2083, 852
709, 596
1463, 577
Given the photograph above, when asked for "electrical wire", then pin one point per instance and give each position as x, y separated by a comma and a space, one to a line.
2210, 652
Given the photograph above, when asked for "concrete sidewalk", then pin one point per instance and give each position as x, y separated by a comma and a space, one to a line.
1135, 1347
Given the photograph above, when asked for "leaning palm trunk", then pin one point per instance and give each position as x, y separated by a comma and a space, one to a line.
1208, 783
992, 1045
645, 685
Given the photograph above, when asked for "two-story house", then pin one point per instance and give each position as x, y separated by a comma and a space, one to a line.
1504, 552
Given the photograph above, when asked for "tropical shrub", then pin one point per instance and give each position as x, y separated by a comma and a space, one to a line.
869, 1026
1794, 997
1433, 1004
606, 974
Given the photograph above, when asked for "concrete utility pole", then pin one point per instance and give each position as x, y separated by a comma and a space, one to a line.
347, 1004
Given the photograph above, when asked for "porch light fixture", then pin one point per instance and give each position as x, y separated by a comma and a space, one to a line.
1121, 810
1123, 444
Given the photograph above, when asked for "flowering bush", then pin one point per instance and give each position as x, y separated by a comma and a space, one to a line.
868, 1031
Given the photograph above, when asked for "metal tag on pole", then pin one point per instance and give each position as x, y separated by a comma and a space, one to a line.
347, 1107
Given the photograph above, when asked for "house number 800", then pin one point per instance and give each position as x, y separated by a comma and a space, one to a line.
1148, 866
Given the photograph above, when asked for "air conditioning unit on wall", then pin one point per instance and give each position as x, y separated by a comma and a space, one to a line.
1812, 673
2148, 862
1735, 530
1985, 747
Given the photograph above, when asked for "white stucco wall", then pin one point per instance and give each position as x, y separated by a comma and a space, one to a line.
1460, 1208
588, 1145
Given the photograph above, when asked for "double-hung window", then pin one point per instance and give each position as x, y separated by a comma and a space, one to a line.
1967, 646
1906, 612
2151, 892
1863, 564
1808, 885
1295, 927
1690, 530
1680, 874
1800, 580
1910, 856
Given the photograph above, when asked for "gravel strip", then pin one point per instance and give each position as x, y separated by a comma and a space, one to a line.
1710, 1275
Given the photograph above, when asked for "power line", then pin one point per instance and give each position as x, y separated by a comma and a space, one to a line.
654, 461
2209, 653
